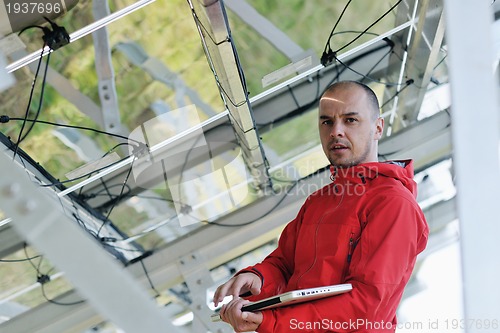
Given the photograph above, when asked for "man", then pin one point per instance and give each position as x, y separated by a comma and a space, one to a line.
365, 228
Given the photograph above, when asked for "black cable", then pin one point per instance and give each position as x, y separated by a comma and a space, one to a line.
387, 84
377, 63
149, 279
44, 29
40, 102
20, 260
5, 119
29, 258
119, 196
26, 114
327, 50
407, 84
61, 182
257, 218
56, 302
355, 32
315, 100
370, 26
440, 62
105, 154
295, 183
214, 72
44, 278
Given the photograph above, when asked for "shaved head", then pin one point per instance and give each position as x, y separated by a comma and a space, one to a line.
371, 97
349, 124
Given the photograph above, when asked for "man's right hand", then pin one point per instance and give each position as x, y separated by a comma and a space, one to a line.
238, 285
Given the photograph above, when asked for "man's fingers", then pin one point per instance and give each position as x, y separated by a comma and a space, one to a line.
251, 316
222, 291
255, 290
236, 287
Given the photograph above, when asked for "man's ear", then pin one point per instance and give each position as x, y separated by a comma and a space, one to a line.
379, 128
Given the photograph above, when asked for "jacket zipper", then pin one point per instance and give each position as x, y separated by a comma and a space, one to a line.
349, 256
351, 248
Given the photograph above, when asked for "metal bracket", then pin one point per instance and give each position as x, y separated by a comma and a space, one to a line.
197, 277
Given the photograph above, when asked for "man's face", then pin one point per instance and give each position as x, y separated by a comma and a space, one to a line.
348, 129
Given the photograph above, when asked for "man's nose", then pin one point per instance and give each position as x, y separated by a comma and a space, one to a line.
337, 129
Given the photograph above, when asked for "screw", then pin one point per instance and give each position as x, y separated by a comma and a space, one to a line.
11, 190
27, 206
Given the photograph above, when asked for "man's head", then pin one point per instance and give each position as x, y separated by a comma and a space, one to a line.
349, 124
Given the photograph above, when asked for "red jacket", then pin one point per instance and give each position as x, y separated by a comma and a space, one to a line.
365, 228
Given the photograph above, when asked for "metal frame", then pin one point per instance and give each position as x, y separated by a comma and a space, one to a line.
429, 141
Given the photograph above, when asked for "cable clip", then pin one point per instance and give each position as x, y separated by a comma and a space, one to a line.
56, 38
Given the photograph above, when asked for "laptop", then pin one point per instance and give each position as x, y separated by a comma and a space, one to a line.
293, 297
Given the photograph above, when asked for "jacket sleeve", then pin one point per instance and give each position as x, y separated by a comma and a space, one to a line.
395, 232
277, 267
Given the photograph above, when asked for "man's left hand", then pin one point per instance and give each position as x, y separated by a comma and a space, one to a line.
241, 321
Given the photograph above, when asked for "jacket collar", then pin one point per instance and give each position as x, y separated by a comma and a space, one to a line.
355, 174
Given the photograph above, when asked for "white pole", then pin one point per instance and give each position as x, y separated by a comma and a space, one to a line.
475, 131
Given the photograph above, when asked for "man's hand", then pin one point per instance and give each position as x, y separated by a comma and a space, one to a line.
241, 321
238, 285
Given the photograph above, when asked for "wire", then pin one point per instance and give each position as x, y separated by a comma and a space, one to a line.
57, 302
377, 63
42, 278
315, 100
407, 84
149, 279
387, 84
20, 260
26, 114
368, 28
288, 190
30, 258
6, 119
61, 182
119, 196
355, 32
327, 45
212, 67
40, 103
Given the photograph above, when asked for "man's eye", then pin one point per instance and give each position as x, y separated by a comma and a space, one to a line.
351, 120
326, 122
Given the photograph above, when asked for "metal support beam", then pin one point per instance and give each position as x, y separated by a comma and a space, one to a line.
105, 72
10, 241
195, 273
211, 20
66, 89
99, 278
160, 72
281, 41
474, 91
419, 66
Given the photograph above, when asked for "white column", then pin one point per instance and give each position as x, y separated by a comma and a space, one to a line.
475, 131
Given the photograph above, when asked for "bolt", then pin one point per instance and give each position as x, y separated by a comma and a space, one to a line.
27, 206
11, 190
